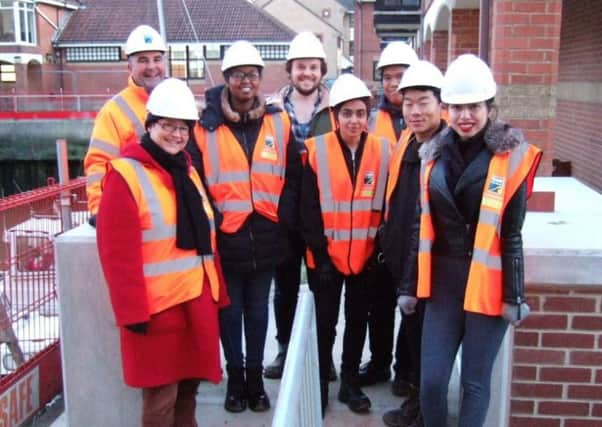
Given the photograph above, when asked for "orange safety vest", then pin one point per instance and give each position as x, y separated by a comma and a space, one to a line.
351, 215
119, 122
172, 275
395, 167
506, 173
382, 126
237, 188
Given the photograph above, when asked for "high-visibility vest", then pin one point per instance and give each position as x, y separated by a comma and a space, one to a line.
237, 188
506, 173
395, 167
382, 125
172, 275
119, 122
351, 216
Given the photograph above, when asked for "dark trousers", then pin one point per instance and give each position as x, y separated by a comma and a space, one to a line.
381, 318
407, 349
170, 405
286, 281
446, 326
249, 293
328, 300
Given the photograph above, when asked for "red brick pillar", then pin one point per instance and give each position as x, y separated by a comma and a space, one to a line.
464, 32
525, 43
426, 50
439, 45
367, 43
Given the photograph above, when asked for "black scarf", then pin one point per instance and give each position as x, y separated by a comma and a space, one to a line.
192, 224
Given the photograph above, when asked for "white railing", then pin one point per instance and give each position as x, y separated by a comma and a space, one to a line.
299, 396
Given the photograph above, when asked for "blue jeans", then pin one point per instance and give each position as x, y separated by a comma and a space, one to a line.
249, 293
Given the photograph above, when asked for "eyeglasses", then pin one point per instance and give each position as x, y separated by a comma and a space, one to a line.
239, 76
171, 128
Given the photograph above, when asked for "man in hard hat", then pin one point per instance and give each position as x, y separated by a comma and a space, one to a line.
422, 112
302, 99
121, 119
252, 168
342, 196
386, 121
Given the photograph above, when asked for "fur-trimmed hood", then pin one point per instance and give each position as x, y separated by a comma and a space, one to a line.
499, 138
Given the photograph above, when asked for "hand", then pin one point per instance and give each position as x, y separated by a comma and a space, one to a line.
92, 220
407, 304
515, 313
138, 328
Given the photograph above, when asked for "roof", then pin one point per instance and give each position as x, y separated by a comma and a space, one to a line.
111, 21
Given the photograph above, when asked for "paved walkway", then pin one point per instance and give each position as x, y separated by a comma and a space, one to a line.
210, 412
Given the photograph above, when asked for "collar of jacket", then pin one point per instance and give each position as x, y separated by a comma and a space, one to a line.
385, 105
499, 137
217, 110
138, 90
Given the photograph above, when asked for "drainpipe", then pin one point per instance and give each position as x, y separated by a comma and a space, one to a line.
358, 46
484, 24
162, 29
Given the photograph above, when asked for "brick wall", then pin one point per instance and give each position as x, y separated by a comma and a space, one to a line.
426, 50
524, 58
579, 109
557, 370
439, 49
367, 43
464, 32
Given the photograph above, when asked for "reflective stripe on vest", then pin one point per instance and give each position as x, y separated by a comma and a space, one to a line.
185, 266
239, 189
382, 125
505, 174
131, 115
395, 167
351, 214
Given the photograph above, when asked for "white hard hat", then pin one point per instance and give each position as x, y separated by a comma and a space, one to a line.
396, 53
241, 53
467, 80
347, 87
421, 73
306, 45
144, 39
172, 98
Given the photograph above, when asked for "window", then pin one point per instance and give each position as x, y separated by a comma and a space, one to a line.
26, 22
93, 54
7, 73
7, 22
273, 51
17, 22
187, 62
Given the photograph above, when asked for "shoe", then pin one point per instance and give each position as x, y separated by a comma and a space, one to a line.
369, 374
332, 375
351, 394
256, 395
324, 396
236, 397
395, 418
402, 388
275, 369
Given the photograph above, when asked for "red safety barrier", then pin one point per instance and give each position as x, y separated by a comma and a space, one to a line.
30, 368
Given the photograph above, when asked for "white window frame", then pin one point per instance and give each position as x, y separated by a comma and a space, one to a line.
18, 6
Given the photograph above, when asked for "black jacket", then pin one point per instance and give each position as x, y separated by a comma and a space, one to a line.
258, 245
311, 223
455, 210
395, 233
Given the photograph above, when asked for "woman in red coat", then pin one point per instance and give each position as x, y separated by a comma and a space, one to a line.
156, 244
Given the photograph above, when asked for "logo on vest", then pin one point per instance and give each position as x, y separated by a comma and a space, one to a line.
367, 189
269, 149
494, 195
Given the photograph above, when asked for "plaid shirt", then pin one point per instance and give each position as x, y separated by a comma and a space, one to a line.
300, 130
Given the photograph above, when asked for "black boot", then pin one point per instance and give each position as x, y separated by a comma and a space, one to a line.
236, 397
324, 395
408, 415
370, 374
258, 399
351, 394
274, 370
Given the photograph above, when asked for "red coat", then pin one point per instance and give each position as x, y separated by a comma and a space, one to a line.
182, 341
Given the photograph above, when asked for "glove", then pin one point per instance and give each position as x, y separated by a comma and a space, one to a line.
515, 313
326, 273
407, 304
138, 328
92, 220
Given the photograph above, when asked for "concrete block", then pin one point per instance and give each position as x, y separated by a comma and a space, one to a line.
95, 394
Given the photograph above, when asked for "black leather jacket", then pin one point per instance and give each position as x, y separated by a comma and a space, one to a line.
455, 212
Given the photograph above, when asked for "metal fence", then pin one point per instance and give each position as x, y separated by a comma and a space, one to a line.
29, 223
299, 395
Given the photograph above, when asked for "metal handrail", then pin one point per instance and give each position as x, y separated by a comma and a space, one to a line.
299, 395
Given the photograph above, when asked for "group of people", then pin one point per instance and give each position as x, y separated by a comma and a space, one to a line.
407, 204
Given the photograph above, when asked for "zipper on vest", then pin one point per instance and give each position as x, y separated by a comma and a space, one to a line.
351, 210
